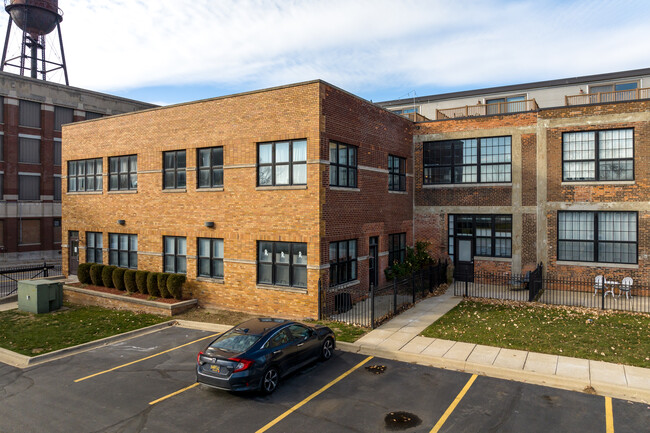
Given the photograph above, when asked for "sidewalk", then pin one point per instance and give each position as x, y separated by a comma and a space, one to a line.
399, 339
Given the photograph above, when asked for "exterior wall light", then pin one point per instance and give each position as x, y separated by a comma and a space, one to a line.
209, 224
121, 222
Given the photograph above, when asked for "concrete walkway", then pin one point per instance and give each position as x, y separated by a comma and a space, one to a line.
399, 339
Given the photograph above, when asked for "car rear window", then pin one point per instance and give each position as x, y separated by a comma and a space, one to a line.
235, 341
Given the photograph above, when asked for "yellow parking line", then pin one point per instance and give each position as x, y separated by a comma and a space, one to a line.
305, 401
174, 393
609, 415
453, 405
144, 359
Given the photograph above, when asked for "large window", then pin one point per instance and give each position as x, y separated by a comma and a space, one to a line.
491, 234
29, 186
175, 254
343, 262
343, 165
475, 160
396, 248
598, 155
210, 257
29, 114
57, 151
94, 244
607, 237
396, 173
85, 175
282, 263
123, 250
62, 115
282, 163
29, 150
123, 173
210, 166
57, 188
30, 232
174, 176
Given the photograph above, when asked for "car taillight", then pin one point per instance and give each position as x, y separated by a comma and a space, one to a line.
198, 358
242, 364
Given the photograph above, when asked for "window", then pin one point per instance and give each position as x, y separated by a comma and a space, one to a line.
210, 257
57, 151
210, 166
90, 115
476, 160
62, 115
343, 165
2, 233
2, 147
94, 244
282, 263
2, 109
29, 150
29, 114
174, 176
56, 230
30, 232
282, 163
406, 110
396, 173
598, 155
175, 254
29, 186
123, 173
492, 234
607, 237
396, 248
57, 188
343, 262
123, 250
2, 186
85, 175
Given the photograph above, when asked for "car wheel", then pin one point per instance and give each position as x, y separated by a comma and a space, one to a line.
327, 350
270, 380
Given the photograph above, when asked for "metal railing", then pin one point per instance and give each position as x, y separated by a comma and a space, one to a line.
487, 109
614, 96
9, 277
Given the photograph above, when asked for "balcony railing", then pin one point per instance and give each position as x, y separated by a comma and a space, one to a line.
616, 96
487, 109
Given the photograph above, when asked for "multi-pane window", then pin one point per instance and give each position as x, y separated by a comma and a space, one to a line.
85, 175
29, 150
607, 237
210, 167
123, 250
29, 114
343, 262
123, 173
29, 187
94, 244
282, 163
57, 151
57, 188
396, 248
343, 165
174, 176
62, 115
598, 155
210, 257
282, 263
492, 234
396, 173
475, 160
175, 254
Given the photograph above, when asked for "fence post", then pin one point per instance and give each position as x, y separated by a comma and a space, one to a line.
372, 306
422, 281
602, 292
466, 292
320, 295
45, 269
413, 285
395, 295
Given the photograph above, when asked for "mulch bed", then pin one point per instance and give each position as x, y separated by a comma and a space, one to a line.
137, 295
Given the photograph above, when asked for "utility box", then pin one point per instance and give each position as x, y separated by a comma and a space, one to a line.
40, 296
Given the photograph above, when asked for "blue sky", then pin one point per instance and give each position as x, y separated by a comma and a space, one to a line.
169, 51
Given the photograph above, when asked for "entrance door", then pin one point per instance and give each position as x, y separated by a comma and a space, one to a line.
73, 252
373, 261
464, 260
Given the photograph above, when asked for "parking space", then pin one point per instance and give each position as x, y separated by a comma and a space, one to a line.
148, 383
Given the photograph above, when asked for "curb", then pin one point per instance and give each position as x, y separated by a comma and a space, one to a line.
202, 326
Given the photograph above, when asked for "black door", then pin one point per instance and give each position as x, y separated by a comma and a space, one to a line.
373, 260
73, 252
464, 259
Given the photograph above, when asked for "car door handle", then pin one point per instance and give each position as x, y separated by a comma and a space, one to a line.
300, 344
277, 352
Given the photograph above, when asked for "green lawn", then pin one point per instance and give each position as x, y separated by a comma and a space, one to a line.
343, 331
34, 334
604, 336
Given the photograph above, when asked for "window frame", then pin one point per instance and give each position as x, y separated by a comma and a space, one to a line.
178, 258
211, 169
214, 261
348, 266
274, 164
274, 265
95, 250
58, 113
131, 254
130, 174
23, 113
452, 235
177, 172
396, 247
396, 173
20, 189
98, 178
336, 166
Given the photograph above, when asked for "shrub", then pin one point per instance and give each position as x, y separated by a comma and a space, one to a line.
152, 284
141, 281
83, 273
96, 274
162, 285
416, 259
129, 281
118, 278
107, 276
175, 285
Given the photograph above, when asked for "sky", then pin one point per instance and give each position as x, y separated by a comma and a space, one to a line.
171, 51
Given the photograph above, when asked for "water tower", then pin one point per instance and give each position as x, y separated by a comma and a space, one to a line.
36, 19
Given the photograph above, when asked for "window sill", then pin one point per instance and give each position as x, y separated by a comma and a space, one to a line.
346, 285
174, 190
216, 189
597, 182
597, 265
84, 193
267, 188
465, 185
493, 259
210, 280
124, 191
344, 188
29, 245
397, 192
283, 289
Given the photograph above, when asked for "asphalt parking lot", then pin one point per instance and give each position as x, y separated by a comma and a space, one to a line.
148, 384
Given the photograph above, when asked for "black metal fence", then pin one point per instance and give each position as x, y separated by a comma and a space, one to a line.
9, 277
369, 308
554, 290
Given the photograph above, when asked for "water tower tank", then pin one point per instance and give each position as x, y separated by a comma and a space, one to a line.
36, 17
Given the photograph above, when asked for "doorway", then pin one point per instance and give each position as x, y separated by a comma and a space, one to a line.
73, 252
373, 261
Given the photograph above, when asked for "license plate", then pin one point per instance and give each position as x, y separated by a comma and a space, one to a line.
215, 368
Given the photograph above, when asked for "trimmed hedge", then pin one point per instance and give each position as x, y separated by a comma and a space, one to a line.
118, 278
83, 273
96, 274
162, 285
107, 276
152, 284
141, 281
175, 285
129, 281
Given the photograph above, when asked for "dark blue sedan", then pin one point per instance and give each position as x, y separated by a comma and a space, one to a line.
256, 354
